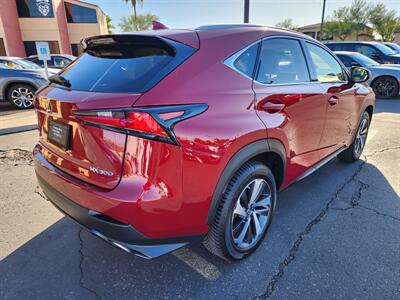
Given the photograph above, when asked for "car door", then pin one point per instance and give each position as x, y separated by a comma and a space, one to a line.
370, 51
339, 94
290, 105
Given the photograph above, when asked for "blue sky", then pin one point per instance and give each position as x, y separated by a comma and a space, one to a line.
192, 13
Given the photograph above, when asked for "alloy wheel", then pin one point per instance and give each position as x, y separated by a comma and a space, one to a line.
251, 214
385, 87
22, 97
361, 137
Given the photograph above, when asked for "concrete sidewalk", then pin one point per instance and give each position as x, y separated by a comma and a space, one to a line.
13, 121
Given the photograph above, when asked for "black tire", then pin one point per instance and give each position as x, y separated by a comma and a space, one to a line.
21, 95
385, 87
354, 151
220, 239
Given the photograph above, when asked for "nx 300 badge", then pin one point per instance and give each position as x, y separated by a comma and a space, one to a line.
101, 172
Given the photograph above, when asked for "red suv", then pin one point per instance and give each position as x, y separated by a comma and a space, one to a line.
154, 140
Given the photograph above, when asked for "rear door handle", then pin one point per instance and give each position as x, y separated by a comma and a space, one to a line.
333, 100
273, 108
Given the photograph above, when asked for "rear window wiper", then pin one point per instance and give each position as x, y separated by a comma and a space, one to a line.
60, 80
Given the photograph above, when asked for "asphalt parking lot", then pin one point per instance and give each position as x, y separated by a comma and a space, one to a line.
335, 235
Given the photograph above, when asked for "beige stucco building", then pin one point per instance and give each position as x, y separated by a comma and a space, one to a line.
313, 30
62, 23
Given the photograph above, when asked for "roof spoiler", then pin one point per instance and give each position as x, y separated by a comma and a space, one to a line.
111, 40
158, 25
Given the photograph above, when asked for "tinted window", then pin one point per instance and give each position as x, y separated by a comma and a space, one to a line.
79, 14
282, 61
246, 61
2, 48
340, 47
346, 60
35, 9
325, 65
367, 50
60, 62
30, 47
125, 70
76, 49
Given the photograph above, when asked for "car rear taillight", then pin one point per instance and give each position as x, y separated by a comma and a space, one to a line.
154, 123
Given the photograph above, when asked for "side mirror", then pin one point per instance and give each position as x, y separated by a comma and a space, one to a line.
358, 74
355, 64
375, 56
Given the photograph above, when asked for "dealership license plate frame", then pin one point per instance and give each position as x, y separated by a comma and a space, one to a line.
59, 134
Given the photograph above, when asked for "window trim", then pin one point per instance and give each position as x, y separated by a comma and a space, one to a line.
314, 75
305, 59
230, 61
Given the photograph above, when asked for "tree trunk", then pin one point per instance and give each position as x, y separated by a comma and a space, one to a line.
134, 16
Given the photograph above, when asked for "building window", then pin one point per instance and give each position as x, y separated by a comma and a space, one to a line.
35, 9
2, 48
30, 47
79, 14
76, 49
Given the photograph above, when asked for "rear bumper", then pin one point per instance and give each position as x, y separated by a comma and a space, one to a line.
115, 232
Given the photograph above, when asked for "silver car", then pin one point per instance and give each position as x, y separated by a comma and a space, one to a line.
385, 78
18, 86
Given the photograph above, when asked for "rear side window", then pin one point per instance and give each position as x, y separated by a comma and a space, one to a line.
128, 66
282, 62
246, 61
346, 60
340, 47
326, 67
367, 50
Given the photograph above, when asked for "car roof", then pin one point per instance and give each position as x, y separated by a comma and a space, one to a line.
10, 57
350, 53
353, 42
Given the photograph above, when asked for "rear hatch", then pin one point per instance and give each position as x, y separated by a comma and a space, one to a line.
113, 73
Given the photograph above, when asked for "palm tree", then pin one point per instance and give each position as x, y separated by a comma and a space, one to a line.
134, 3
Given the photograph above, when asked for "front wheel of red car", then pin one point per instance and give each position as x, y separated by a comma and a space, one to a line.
244, 213
354, 151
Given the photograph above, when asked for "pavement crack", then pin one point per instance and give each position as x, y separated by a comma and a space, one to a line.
38, 192
82, 273
280, 272
379, 213
16, 156
372, 153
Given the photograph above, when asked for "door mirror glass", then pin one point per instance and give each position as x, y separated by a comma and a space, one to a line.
359, 74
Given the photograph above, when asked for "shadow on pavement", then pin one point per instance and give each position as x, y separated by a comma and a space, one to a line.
388, 105
64, 261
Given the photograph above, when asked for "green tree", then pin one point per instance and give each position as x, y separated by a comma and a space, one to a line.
140, 23
338, 25
110, 26
358, 16
134, 4
287, 23
384, 21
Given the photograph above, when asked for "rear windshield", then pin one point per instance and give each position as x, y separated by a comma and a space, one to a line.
121, 68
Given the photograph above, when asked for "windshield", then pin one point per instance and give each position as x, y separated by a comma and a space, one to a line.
113, 69
26, 64
385, 49
365, 61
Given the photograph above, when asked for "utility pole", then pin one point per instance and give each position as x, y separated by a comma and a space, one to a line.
322, 21
246, 11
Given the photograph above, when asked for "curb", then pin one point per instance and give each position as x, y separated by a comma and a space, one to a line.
12, 130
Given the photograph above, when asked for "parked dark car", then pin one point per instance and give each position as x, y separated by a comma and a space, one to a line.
152, 140
394, 46
384, 79
18, 86
58, 61
376, 51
